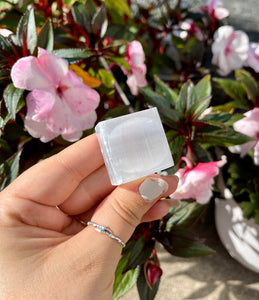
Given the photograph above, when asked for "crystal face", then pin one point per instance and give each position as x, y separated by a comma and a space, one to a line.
134, 146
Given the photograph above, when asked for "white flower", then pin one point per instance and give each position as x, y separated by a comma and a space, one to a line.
230, 49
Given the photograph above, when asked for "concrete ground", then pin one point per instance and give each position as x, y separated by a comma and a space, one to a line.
217, 277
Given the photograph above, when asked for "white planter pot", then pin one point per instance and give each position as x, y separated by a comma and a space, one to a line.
239, 235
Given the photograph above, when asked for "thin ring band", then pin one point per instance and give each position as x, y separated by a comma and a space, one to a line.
107, 231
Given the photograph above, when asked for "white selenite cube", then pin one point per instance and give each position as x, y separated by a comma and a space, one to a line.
134, 145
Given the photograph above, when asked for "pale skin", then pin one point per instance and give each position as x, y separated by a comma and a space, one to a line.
45, 252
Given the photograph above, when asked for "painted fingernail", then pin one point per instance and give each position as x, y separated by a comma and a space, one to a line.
152, 188
174, 202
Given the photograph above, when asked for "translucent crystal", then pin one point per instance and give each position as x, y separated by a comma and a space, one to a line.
134, 145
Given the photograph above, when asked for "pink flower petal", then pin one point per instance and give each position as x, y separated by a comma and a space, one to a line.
136, 58
27, 74
80, 98
53, 66
87, 121
135, 54
253, 57
60, 103
229, 49
39, 104
133, 85
62, 121
256, 154
249, 125
197, 182
221, 13
39, 130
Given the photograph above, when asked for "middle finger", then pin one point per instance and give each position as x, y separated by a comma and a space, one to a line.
89, 193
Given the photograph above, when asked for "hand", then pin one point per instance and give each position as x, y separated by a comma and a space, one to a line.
45, 252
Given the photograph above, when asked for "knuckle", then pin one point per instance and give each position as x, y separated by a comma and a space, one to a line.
64, 165
130, 212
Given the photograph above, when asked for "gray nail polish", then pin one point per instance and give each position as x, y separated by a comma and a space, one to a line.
152, 188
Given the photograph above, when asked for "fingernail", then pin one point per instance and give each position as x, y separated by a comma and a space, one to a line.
152, 188
174, 202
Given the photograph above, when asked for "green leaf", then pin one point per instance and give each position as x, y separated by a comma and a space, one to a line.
223, 118
4, 77
119, 60
250, 83
189, 219
6, 116
83, 14
201, 153
235, 89
100, 22
27, 25
170, 117
181, 242
12, 95
106, 77
198, 108
203, 88
20, 28
227, 137
177, 144
116, 112
168, 93
185, 215
243, 178
219, 117
31, 34
145, 292
46, 37
248, 209
139, 253
5, 150
179, 213
10, 169
119, 270
124, 282
154, 98
187, 97
5, 45
73, 55
234, 118
117, 9
228, 107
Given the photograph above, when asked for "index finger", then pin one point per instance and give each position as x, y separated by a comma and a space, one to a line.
51, 181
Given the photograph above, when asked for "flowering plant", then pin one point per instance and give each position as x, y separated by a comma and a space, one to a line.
65, 65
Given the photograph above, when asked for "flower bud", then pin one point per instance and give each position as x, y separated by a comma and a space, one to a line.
154, 272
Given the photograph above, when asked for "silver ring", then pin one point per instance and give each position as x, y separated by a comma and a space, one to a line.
107, 231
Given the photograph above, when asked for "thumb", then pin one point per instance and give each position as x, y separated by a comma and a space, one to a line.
96, 253
124, 208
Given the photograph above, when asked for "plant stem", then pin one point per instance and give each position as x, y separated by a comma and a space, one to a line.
189, 152
116, 85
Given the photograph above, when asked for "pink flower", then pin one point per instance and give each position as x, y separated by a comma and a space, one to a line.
253, 57
60, 103
135, 58
249, 125
154, 272
190, 26
215, 10
229, 49
197, 182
